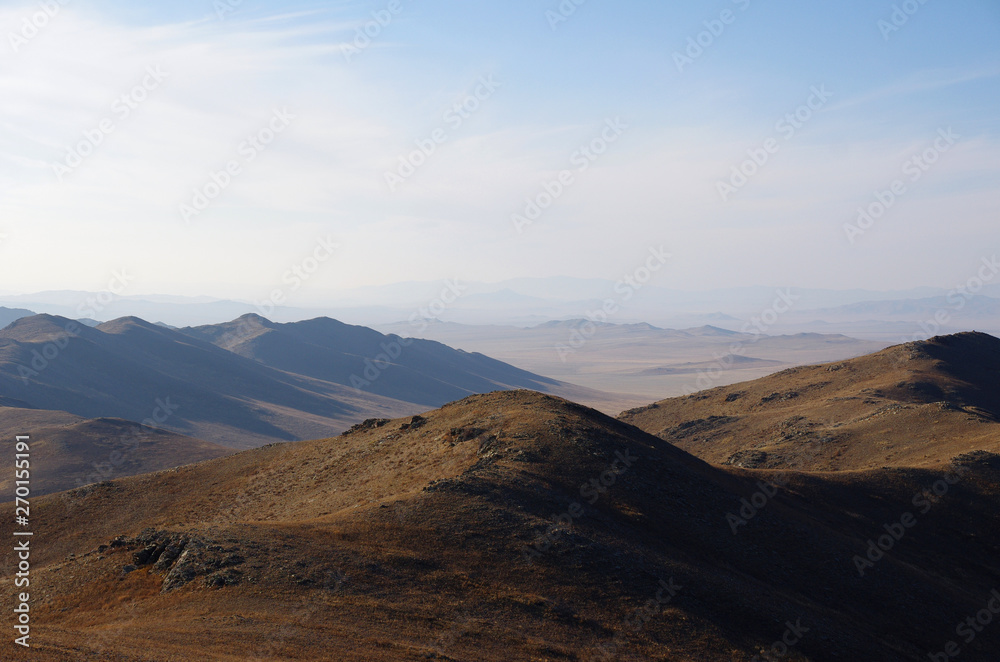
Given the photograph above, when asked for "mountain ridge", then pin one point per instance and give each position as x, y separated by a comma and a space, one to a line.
125, 367
908, 405
543, 527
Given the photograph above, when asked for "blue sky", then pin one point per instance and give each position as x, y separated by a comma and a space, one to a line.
350, 117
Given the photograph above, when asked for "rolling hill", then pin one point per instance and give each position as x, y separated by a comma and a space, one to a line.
508, 526
909, 405
133, 370
419, 371
11, 315
69, 451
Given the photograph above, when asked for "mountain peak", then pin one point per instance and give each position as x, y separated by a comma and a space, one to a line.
709, 330
255, 321
41, 328
975, 341
128, 323
915, 404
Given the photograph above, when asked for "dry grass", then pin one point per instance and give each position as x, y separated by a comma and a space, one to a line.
406, 542
912, 405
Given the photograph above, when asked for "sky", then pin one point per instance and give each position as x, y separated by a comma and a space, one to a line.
211, 147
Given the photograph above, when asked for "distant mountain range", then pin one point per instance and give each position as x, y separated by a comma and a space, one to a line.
519, 526
913, 309
521, 302
424, 372
642, 361
244, 383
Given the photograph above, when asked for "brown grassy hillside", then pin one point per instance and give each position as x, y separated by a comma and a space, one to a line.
469, 534
69, 451
910, 405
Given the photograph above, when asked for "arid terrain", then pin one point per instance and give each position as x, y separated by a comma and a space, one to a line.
520, 331
520, 526
641, 362
910, 405
248, 382
71, 451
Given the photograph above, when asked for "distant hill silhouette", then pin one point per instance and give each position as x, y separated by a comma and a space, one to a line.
10, 315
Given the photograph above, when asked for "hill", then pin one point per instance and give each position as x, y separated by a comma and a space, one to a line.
11, 315
69, 451
131, 369
424, 372
911, 405
507, 526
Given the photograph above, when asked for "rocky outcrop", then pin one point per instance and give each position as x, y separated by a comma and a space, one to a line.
181, 558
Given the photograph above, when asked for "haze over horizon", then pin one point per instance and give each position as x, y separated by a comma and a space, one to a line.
311, 116
388, 331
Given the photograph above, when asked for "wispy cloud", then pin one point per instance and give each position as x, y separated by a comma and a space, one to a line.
919, 82
353, 120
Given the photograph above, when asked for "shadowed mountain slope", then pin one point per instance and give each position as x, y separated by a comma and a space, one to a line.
507, 526
420, 371
10, 315
69, 451
914, 404
134, 370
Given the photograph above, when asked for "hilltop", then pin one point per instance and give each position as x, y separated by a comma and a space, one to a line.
910, 405
506, 526
242, 384
69, 451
